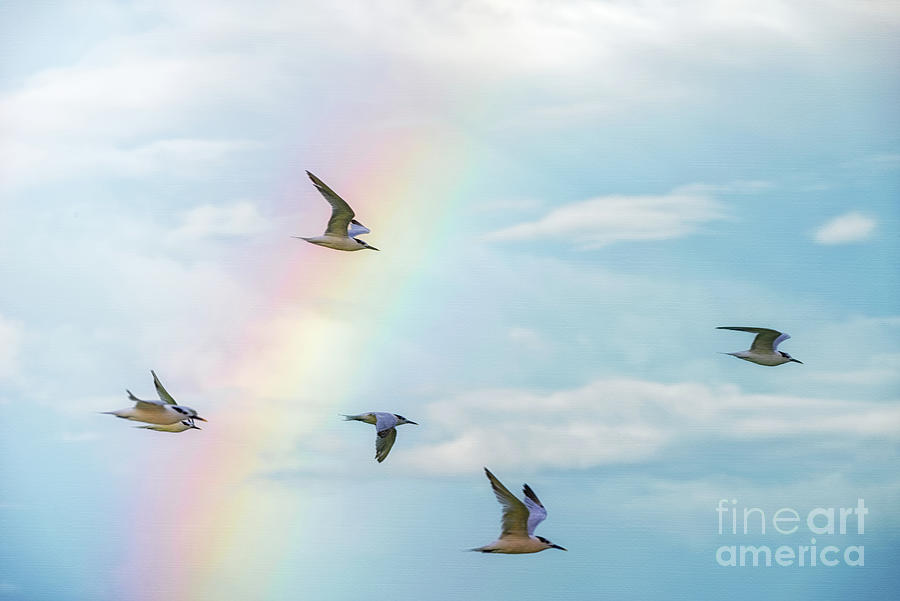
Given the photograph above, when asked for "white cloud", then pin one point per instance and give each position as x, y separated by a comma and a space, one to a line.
175, 66
526, 337
601, 221
118, 110
619, 421
851, 227
238, 219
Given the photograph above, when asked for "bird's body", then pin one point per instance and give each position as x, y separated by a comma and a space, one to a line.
342, 229
164, 412
183, 425
336, 242
518, 523
764, 350
385, 429
153, 412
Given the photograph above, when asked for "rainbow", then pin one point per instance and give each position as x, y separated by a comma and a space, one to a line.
204, 520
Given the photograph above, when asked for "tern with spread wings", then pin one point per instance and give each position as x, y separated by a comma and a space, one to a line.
164, 412
520, 518
385, 429
764, 350
342, 229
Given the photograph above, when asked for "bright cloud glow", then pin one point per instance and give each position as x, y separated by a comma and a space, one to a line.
852, 227
601, 221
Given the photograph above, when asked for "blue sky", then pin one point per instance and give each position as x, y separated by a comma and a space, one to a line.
569, 197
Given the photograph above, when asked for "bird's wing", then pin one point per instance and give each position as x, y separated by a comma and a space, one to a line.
177, 427
766, 340
515, 514
383, 443
150, 405
145, 405
779, 340
161, 391
357, 229
384, 421
536, 511
341, 213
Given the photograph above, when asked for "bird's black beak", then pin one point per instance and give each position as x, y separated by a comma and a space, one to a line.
371, 248
413, 423
796, 361
558, 547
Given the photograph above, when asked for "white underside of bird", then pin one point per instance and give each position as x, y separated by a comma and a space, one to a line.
518, 523
335, 242
764, 349
342, 229
768, 359
150, 412
385, 429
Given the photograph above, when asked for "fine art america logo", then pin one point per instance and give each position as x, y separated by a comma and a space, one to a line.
786, 521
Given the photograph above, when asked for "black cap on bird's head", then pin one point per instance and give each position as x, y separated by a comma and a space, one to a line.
187, 411
403, 420
789, 358
549, 544
364, 244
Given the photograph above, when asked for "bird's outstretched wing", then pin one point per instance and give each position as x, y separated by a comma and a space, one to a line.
384, 421
145, 405
383, 443
176, 427
536, 511
161, 391
515, 514
357, 229
766, 340
341, 213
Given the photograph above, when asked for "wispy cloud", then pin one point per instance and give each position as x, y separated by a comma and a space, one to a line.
78, 437
601, 221
238, 219
851, 227
527, 338
622, 421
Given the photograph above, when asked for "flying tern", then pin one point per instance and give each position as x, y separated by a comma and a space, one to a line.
342, 229
164, 412
519, 521
764, 350
385, 429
